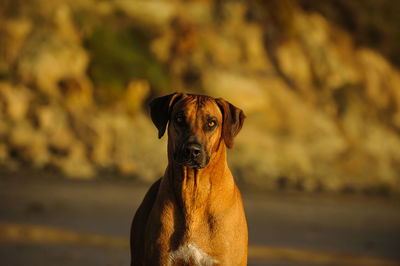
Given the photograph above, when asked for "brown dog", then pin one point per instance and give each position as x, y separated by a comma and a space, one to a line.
194, 214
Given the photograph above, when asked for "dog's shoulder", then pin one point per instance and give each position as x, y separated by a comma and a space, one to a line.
140, 220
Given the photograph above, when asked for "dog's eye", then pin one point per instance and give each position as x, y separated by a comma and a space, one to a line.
180, 119
211, 124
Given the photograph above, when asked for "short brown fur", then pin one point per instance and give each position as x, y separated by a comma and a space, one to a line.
193, 205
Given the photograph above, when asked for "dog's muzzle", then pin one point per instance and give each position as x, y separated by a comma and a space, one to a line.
192, 155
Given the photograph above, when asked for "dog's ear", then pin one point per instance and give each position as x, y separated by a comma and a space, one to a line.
233, 119
160, 110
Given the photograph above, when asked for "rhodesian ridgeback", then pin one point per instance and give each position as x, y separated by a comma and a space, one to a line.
194, 214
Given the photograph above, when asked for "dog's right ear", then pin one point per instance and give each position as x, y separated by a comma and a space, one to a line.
160, 110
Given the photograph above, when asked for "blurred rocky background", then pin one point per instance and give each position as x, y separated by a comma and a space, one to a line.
318, 81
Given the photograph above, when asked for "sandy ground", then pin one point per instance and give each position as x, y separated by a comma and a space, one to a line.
284, 228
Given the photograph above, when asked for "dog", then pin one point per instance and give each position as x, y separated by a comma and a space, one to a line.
194, 214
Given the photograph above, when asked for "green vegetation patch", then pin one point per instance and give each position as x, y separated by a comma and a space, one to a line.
118, 56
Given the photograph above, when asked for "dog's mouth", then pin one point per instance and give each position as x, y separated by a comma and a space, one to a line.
198, 164
193, 159
192, 164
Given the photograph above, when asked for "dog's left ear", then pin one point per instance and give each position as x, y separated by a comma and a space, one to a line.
233, 119
160, 110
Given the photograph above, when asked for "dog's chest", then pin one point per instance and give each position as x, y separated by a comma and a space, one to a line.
191, 254
188, 238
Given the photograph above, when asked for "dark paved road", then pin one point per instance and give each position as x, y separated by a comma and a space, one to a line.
284, 228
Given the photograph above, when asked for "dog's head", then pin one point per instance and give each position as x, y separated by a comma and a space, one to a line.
197, 126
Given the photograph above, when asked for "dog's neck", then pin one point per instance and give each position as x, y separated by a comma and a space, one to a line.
196, 188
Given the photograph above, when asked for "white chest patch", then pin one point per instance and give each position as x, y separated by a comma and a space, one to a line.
191, 252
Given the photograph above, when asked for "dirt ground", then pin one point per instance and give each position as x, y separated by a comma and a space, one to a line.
47, 220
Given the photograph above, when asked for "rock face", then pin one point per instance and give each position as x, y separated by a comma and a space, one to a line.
323, 113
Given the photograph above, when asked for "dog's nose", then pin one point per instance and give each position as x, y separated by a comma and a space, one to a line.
193, 150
